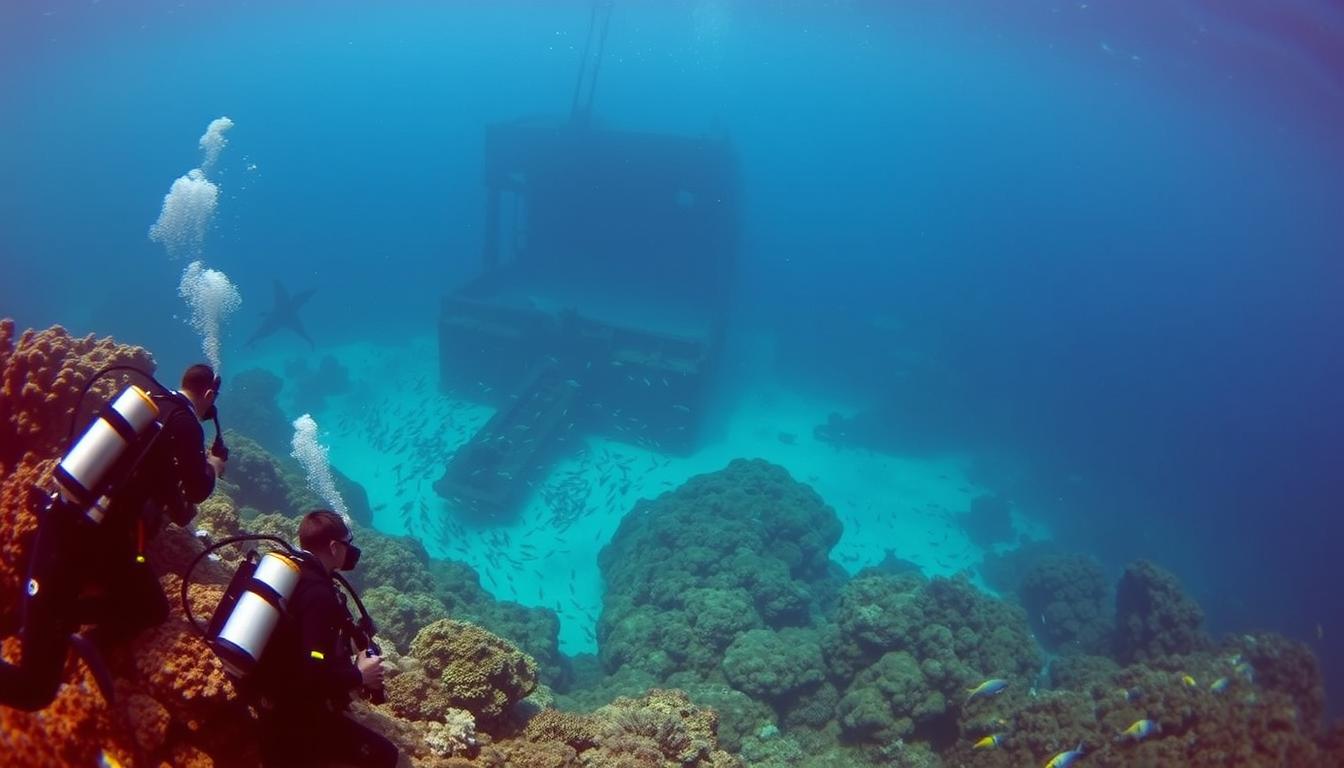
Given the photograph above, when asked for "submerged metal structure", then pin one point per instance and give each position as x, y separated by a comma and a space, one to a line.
602, 297
601, 301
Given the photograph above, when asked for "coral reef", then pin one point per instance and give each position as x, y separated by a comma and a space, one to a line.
41, 374
954, 630
741, 548
1198, 720
1153, 617
723, 588
769, 664
1068, 603
661, 728
1289, 667
909, 650
465, 667
399, 615
174, 704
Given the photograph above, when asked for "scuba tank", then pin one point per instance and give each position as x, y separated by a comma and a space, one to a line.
105, 456
81, 477
255, 602
246, 617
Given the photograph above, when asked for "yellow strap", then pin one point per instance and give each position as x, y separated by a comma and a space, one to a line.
317, 655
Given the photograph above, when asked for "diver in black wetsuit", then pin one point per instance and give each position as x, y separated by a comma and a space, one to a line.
309, 674
97, 574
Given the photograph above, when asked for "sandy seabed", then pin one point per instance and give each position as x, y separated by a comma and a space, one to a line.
908, 505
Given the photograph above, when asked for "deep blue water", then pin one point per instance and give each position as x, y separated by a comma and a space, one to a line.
1099, 242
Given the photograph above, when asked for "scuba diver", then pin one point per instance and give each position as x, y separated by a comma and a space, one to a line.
142, 459
307, 675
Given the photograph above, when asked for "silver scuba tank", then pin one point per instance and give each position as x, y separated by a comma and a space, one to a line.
81, 474
257, 601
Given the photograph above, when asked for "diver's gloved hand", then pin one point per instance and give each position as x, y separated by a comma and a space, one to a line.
370, 670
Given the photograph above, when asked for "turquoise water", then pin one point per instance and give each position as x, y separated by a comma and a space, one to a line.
1085, 255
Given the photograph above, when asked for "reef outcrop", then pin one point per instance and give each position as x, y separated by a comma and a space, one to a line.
727, 552
462, 666
1069, 604
1154, 617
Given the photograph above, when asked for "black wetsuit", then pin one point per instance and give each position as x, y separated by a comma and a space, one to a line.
308, 677
96, 574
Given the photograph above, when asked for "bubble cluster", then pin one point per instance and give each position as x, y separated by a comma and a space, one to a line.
212, 298
313, 456
213, 141
187, 210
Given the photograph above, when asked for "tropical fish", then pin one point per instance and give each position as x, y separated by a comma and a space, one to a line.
1065, 759
1246, 671
1219, 685
991, 687
1189, 681
1139, 730
989, 742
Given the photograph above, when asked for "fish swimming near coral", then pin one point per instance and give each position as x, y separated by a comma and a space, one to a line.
989, 742
283, 314
1065, 759
1139, 730
1219, 685
991, 687
1245, 671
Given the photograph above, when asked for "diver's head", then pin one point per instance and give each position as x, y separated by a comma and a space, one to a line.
201, 387
324, 534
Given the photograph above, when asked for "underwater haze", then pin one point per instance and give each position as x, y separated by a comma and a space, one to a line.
1090, 254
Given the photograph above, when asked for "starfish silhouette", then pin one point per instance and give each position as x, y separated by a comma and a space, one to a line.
285, 314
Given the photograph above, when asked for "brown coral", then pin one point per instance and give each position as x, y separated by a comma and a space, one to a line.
661, 728
71, 731
578, 730
40, 379
474, 669
1154, 617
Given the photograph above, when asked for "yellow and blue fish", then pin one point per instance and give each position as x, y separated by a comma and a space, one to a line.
991, 687
989, 742
1219, 685
1139, 730
1065, 759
